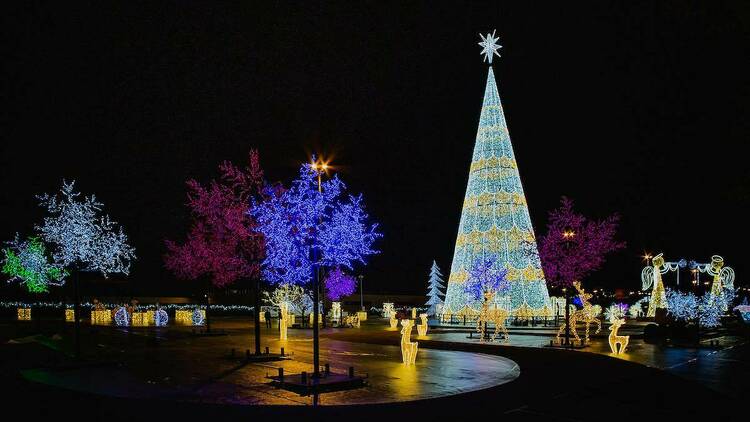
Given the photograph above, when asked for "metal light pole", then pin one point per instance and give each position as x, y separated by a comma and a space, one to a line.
361, 287
319, 168
567, 316
568, 236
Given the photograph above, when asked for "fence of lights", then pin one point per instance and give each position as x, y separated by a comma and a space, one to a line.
234, 309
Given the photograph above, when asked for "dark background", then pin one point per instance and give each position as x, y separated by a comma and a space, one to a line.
630, 107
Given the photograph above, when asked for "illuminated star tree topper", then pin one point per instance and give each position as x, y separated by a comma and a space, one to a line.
489, 46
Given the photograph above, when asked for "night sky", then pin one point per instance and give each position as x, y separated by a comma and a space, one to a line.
631, 107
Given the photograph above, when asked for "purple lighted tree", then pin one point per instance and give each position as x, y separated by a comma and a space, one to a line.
339, 284
310, 226
222, 243
575, 246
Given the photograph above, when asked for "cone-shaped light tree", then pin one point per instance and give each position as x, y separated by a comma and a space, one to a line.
83, 239
495, 217
435, 288
223, 243
312, 226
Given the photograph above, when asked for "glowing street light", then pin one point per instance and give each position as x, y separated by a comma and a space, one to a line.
320, 166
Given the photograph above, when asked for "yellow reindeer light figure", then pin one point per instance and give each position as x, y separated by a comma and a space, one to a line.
494, 315
586, 315
408, 347
422, 328
615, 339
393, 321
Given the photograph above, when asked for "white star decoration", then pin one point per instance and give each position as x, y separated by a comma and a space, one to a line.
489, 48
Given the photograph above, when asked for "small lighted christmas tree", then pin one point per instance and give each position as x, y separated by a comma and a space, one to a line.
435, 287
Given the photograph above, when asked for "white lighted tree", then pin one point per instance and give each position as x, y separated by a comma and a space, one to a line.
287, 297
435, 285
83, 238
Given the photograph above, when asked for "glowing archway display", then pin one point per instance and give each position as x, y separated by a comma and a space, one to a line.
495, 217
723, 278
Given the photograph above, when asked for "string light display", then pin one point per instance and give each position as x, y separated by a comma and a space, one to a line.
336, 312
183, 316
616, 311
82, 236
408, 347
70, 315
304, 222
707, 309
161, 318
361, 316
101, 317
651, 276
199, 317
422, 328
122, 317
636, 310
495, 218
26, 261
339, 284
141, 318
723, 279
435, 286
230, 309
587, 315
388, 309
24, 314
615, 339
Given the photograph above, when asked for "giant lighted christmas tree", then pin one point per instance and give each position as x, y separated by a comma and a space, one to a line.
495, 217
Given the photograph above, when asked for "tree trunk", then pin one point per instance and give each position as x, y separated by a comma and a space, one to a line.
257, 316
77, 316
316, 335
208, 307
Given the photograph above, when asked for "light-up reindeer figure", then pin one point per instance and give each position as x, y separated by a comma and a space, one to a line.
495, 315
408, 347
587, 315
422, 328
615, 339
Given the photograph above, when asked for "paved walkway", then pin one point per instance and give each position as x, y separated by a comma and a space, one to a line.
553, 384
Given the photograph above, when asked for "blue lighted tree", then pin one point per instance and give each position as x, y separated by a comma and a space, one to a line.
487, 277
311, 226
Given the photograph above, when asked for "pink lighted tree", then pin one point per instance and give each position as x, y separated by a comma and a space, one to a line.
222, 243
575, 246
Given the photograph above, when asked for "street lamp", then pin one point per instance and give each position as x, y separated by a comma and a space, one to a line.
320, 166
647, 258
568, 235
